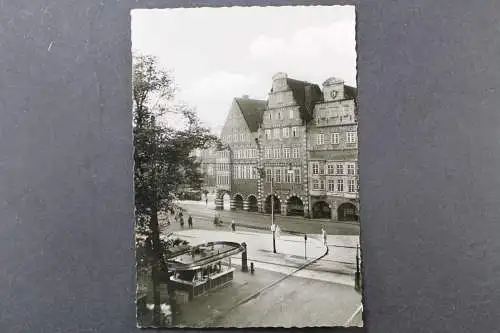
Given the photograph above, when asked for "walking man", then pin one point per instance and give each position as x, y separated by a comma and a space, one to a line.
190, 222
181, 221
233, 225
323, 232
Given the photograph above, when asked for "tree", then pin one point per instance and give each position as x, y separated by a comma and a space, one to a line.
162, 157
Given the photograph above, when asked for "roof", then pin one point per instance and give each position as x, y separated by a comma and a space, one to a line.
252, 110
350, 92
211, 253
306, 95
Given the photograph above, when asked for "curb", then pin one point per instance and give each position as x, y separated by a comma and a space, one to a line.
292, 217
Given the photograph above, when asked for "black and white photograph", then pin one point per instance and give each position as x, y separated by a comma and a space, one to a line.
246, 177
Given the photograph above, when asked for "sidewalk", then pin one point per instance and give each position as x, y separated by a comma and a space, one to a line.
336, 267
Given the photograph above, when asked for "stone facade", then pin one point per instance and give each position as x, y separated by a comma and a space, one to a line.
276, 149
333, 154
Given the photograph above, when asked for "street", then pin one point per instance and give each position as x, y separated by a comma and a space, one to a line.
282, 292
203, 215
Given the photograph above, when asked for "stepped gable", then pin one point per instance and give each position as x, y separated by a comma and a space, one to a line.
252, 110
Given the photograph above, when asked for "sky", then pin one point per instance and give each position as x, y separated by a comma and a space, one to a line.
217, 54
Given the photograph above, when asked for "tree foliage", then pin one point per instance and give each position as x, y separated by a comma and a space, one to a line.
163, 159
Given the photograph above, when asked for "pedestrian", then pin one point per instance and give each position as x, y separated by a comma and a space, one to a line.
181, 220
190, 222
323, 232
233, 225
206, 201
278, 231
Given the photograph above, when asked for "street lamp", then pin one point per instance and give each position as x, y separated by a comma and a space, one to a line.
262, 175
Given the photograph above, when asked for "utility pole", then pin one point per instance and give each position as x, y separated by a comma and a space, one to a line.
273, 227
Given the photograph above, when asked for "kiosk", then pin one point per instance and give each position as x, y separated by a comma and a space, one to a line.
203, 267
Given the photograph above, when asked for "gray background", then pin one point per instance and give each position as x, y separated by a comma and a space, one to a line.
429, 143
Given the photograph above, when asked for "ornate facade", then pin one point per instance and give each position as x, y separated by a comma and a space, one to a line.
297, 150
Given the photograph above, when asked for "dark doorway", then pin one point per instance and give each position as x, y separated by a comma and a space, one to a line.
295, 206
321, 210
277, 205
347, 212
238, 201
252, 204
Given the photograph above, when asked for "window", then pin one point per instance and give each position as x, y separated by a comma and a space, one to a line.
297, 176
320, 139
247, 172
340, 169
270, 115
286, 152
279, 98
321, 184
321, 169
289, 176
315, 168
295, 132
268, 134
242, 137
291, 114
330, 169
340, 185
277, 175
315, 184
295, 153
276, 153
280, 115
352, 186
335, 138
277, 133
351, 137
286, 132
350, 169
331, 185
269, 175
267, 153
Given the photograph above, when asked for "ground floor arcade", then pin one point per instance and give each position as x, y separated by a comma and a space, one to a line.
291, 204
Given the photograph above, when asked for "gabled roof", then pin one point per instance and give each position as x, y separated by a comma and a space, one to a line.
252, 110
305, 94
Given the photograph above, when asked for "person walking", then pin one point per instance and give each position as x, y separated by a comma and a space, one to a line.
323, 232
181, 220
190, 222
233, 225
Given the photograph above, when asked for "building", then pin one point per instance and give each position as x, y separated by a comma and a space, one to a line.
295, 152
236, 165
333, 154
207, 159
